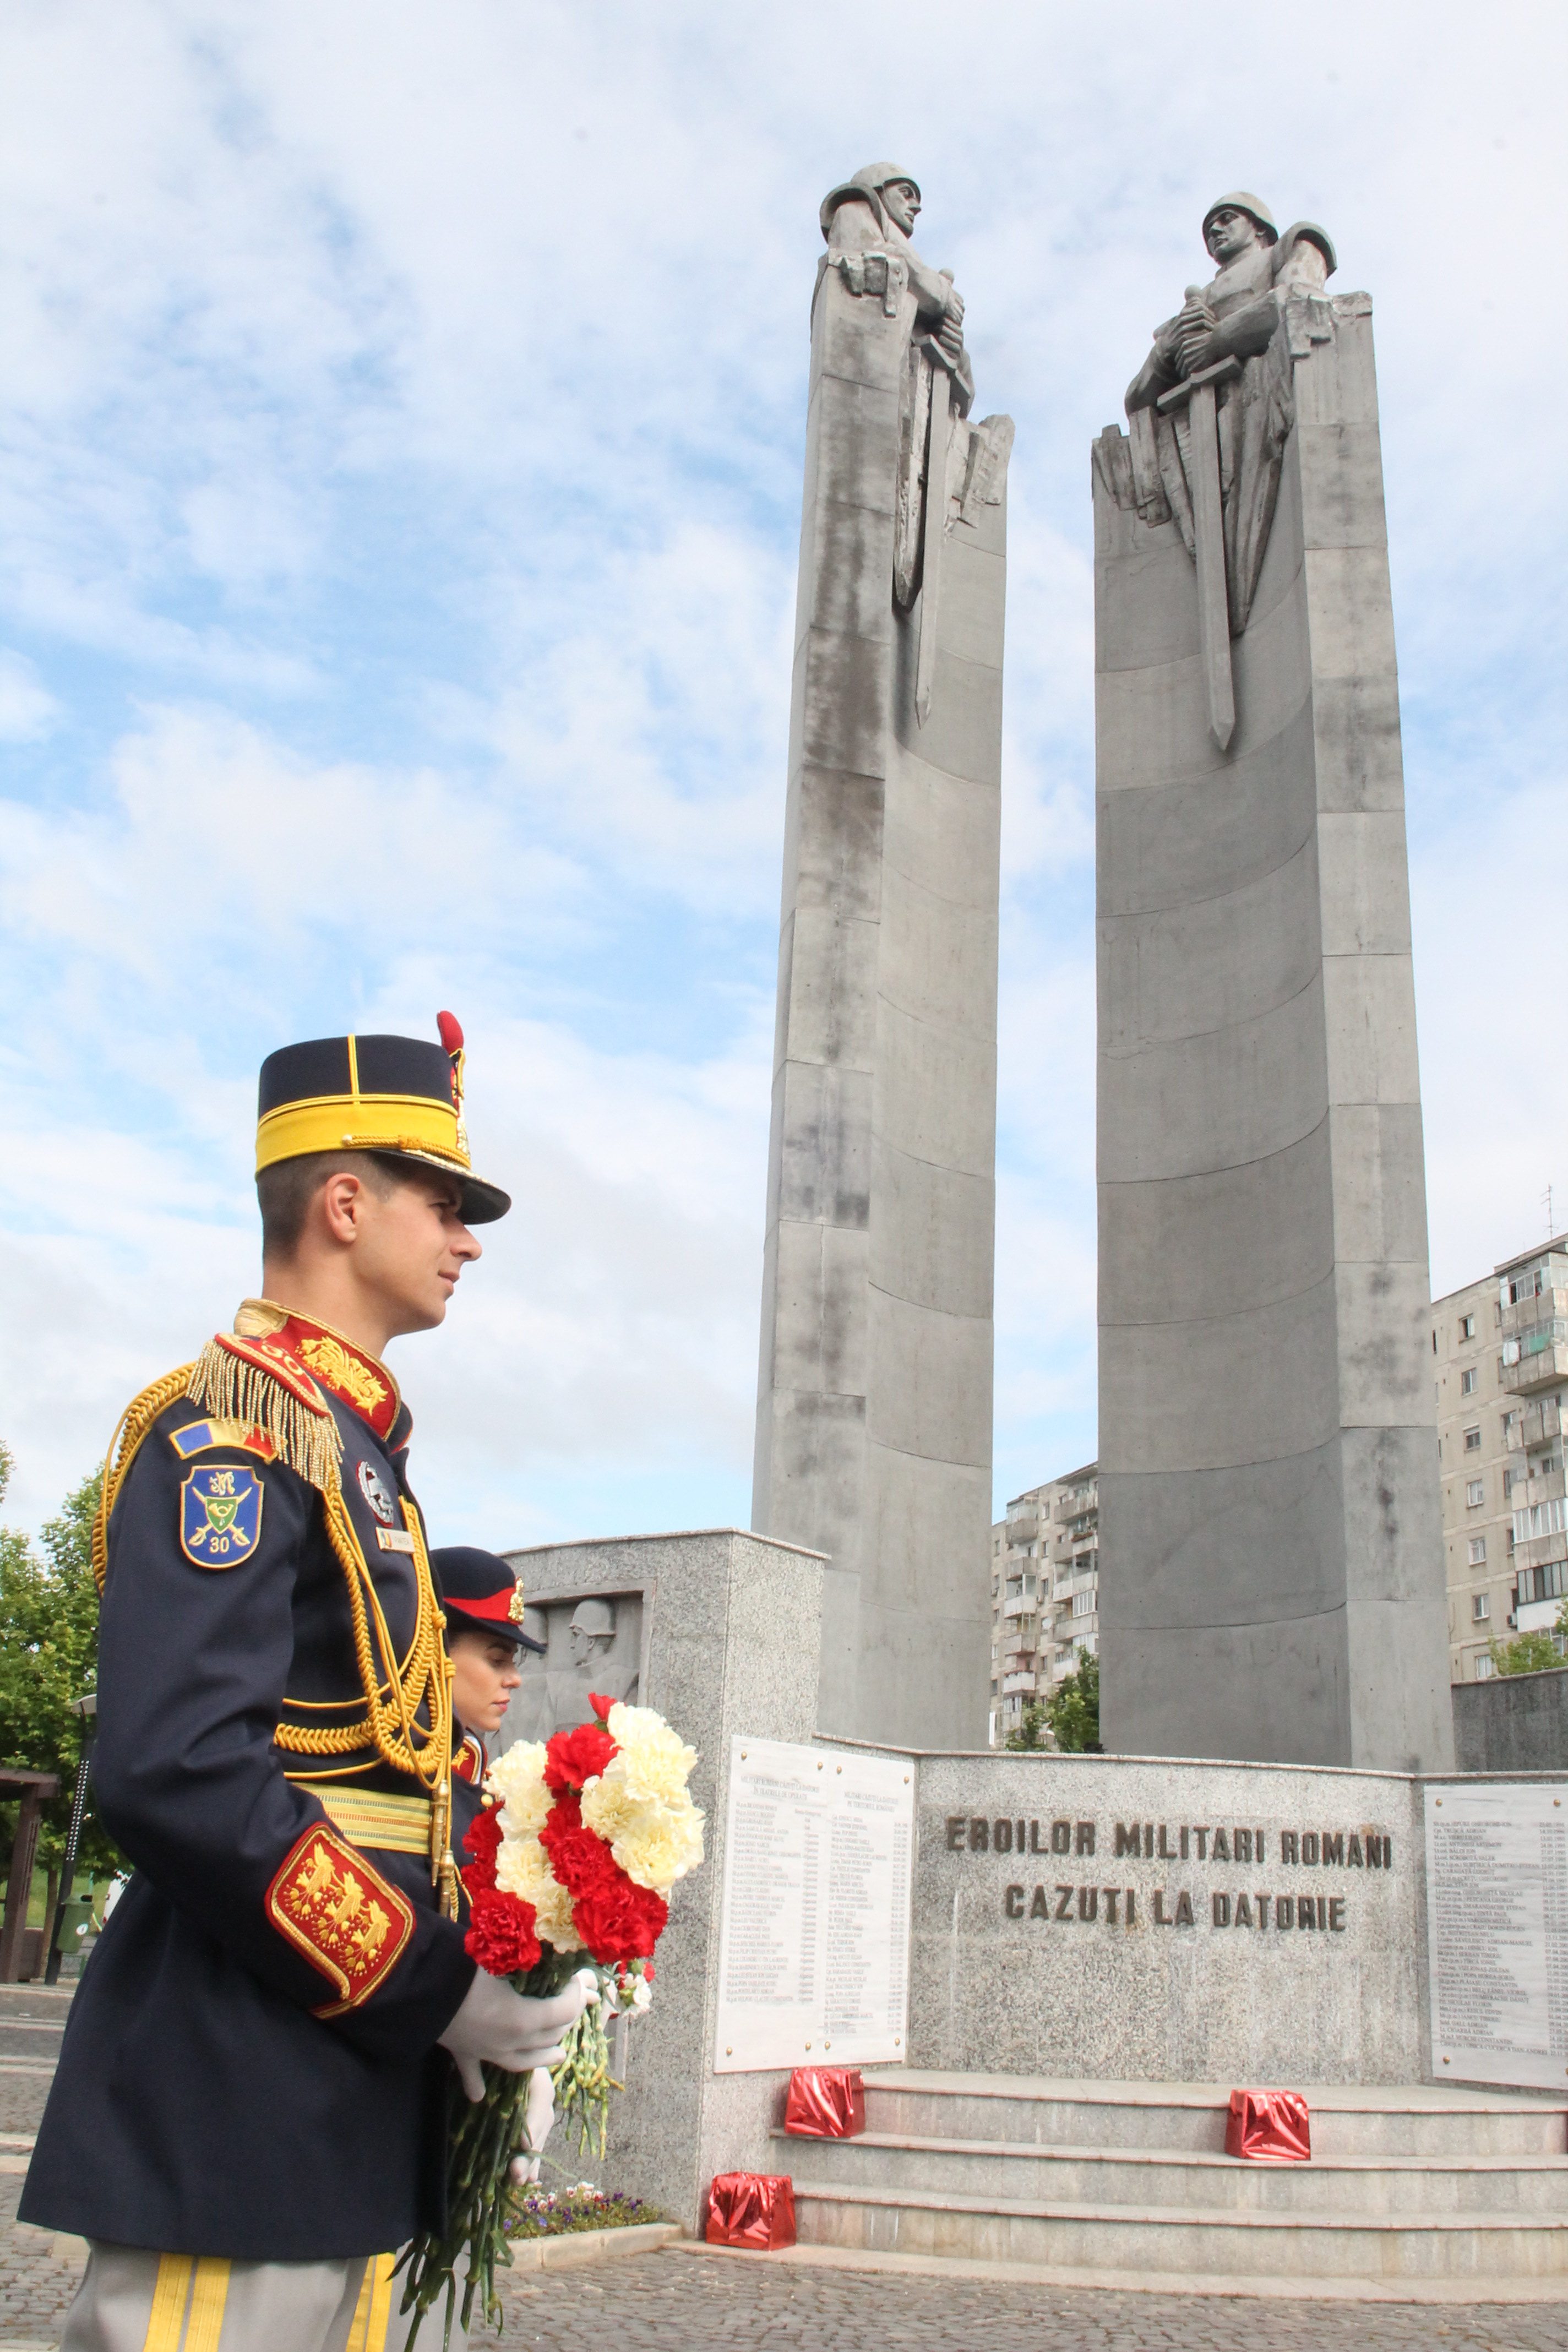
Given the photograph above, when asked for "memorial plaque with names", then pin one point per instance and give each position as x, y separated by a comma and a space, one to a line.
814, 1940
1497, 1911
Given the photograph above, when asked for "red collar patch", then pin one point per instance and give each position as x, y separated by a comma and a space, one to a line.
361, 1381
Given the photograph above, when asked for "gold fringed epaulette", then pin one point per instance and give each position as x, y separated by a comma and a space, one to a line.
263, 1386
246, 1380
134, 1423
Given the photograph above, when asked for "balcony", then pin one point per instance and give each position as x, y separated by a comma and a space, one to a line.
1536, 1356
1535, 1423
1026, 1604
1011, 1683
1535, 1306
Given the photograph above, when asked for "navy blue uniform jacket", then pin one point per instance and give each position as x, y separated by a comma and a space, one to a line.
215, 2093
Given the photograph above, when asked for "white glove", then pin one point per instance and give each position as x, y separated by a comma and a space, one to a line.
509, 2029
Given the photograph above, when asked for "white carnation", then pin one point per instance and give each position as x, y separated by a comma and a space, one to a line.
517, 1778
654, 1761
655, 1841
522, 1868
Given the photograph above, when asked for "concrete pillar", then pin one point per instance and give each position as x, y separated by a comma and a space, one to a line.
874, 1406
1268, 1498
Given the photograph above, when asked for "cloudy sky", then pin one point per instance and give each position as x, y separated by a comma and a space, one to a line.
404, 409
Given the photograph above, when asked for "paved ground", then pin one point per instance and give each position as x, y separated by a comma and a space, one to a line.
694, 2302
684, 2303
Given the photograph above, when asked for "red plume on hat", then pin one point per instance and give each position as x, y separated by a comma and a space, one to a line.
451, 1030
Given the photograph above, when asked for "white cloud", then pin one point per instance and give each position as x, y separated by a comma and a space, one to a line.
404, 414
28, 709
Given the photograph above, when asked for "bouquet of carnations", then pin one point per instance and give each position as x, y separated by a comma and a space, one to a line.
570, 1872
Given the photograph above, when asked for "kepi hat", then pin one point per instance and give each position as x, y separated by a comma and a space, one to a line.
401, 1097
480, 1595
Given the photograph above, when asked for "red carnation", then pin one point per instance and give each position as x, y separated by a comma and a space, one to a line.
483, 1842
501, 1935
600, 1705
578, 1858
573, 1758
619, 1920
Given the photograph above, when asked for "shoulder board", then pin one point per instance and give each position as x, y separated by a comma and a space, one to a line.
270, 1393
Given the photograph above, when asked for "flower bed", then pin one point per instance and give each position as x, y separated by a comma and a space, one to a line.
552, 2212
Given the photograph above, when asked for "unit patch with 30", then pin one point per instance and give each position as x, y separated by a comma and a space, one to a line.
220, 1516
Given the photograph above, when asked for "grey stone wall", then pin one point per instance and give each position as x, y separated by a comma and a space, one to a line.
731, 1626
1512, 1723
874, 1405
1268, 1454
1172, 1995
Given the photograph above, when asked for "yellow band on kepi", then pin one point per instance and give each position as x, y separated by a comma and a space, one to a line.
400, 1097
408, 1123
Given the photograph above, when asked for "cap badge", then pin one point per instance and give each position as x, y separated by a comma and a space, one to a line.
516, 1609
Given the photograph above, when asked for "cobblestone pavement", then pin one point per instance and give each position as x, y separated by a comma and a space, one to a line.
688, 2303
35, 2290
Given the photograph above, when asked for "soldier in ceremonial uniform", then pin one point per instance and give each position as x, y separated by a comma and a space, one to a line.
251, 2100
481, 1600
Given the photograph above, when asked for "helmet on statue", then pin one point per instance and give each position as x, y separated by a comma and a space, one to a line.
1239, 200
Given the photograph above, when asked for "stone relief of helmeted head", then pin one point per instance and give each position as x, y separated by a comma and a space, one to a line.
592, 1631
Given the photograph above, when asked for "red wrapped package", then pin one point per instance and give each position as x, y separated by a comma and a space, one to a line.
825, 2103
752, 2208
1269, 2127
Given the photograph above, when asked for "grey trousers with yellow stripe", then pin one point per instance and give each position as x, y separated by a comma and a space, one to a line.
134, 2301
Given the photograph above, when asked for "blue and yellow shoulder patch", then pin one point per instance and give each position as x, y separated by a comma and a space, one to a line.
220, 1516
201, 1437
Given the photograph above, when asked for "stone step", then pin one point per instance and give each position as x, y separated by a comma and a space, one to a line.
1144, 2177
1414, 2119
1124, 2238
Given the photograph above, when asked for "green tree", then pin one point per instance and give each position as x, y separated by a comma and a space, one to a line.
1033, 1730
48, 1656
1527, 1653
1072, 1709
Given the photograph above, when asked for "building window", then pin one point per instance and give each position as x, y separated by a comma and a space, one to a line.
1483, 1670
1507, 1485
1083, 1603
1478, 1550
1510, 1421
1473, 1441
1480, 1609
1474, 1494
1469, 1382
1466, 1327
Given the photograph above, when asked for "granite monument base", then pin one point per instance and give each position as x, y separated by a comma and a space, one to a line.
1090, 1919
730, 1630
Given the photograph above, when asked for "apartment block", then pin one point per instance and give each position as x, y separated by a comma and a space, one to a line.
1045, 1592
1499, 1351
